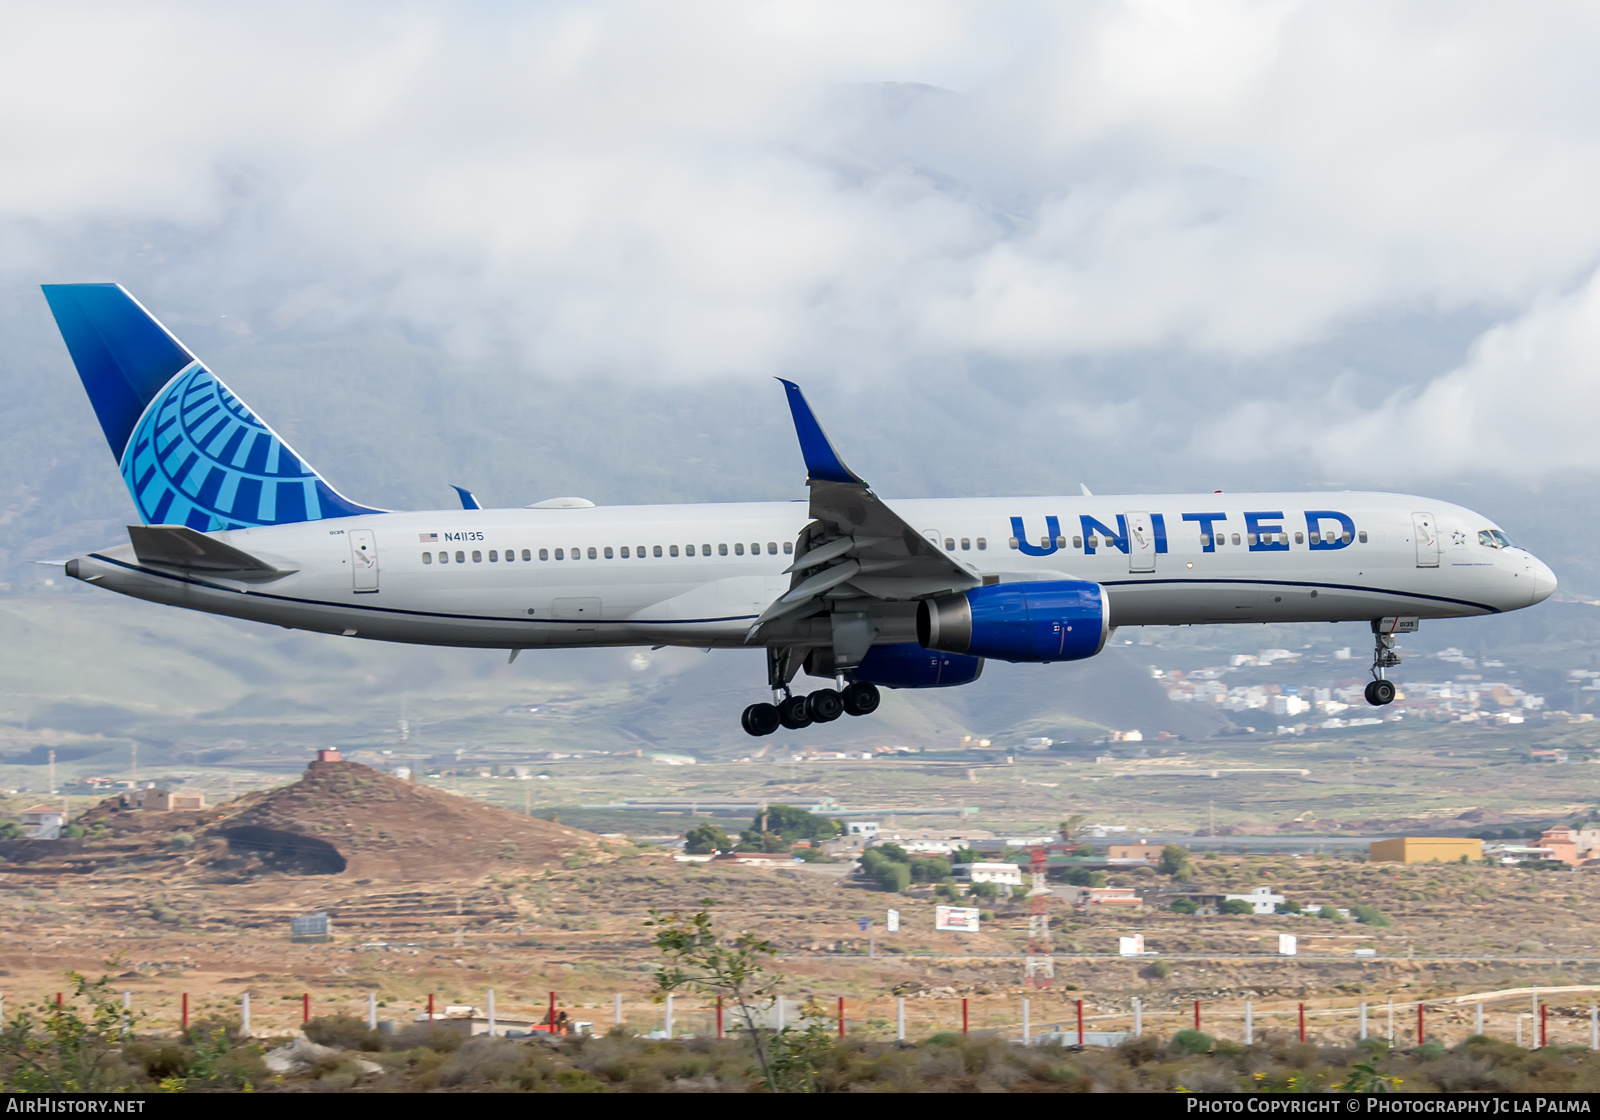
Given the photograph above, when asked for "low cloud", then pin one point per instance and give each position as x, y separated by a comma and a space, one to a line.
703, 191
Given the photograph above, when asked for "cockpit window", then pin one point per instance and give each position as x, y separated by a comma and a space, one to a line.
1505, 541
1494, 538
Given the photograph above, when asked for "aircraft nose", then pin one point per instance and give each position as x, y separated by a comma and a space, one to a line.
1544, 581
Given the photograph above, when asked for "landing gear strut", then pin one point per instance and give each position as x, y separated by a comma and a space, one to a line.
1380, 691
795, 710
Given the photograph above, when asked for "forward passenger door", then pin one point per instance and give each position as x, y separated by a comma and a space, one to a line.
1141, 543
1426, 533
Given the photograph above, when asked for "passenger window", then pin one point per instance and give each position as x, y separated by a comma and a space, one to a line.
461, 558
755, 548
657, 550
738, 548
1250, 539
966, 544
1061, 542
639, 552
544, 553
983, 544
477, 557
772, 548
688, 550
1094, 542
722, 550
1299, 538
608, 553
494, 556
511, 554
1345, 538
561, 554
672, 549
788, 547
624, 552
427, 557
1013, 542
705, 550
949, 544
1077, 542
1236, 538
591, 553
1362, 536
444, 558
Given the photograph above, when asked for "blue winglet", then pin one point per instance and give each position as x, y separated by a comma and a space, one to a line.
467, 499
822, 461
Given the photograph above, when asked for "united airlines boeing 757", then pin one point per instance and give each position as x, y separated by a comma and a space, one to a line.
862, 591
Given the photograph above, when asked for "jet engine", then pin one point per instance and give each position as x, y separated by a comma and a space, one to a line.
1063, 620
905, 665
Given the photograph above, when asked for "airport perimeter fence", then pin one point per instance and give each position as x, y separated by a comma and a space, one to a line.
1529, 1017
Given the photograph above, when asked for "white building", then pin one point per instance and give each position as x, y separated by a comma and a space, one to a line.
1261, 899
42, 822
1005, 874
862, 830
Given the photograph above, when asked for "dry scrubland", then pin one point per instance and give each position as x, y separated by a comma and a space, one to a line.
447, 896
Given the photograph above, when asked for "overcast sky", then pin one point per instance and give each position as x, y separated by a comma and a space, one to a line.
1153, 210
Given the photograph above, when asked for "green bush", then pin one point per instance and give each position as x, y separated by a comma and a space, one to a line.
1328, 913
181, 840
892, 876
1184, 906
1288, 906
987, 891
1191, 1041
344, 1031
704, 839
1370, 916
1019, 892
1235, 906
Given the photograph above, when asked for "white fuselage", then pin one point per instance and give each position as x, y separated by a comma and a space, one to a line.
625, 575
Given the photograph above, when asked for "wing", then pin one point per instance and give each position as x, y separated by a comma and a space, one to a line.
856, 547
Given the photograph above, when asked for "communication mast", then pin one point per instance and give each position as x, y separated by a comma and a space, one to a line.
1040, 966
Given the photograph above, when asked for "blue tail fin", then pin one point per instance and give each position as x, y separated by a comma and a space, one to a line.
190, 451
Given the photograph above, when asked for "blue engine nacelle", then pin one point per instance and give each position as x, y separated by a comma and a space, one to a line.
905, 665
1064, 620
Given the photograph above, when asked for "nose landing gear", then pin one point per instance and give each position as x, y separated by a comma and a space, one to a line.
1381, 691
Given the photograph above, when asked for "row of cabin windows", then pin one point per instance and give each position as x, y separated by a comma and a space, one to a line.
966, 544
1206, 539
609, 553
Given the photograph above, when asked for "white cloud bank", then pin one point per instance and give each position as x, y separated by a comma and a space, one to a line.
707, 190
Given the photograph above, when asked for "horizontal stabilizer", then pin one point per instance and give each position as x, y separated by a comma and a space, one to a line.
178, 546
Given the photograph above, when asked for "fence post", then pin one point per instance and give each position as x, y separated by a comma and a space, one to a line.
372, 1011
1363, 1030
616, 1009
489, 1006
1249, 1023
1391, 1020
1594, 1026
1302, 1022
1138, 1018
963, 1016
1196, 1014
899, 1019
1027, 1031
1080, 1023
1477, 1020
305, 1008
719, 1016
185, 1009
841, 1018
1544, 1027
1422, 1034
550, 1019
244, 1013
58, 1001
430, 1009
669, 1012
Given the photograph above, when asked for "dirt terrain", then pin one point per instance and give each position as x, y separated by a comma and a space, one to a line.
441, 894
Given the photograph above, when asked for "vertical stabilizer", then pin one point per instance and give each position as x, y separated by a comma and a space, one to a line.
191, 452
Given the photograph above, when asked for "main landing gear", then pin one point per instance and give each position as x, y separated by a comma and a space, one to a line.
794, 711
1380, 691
